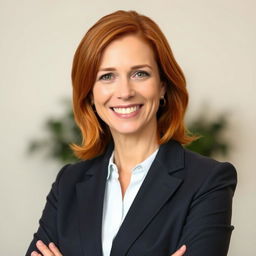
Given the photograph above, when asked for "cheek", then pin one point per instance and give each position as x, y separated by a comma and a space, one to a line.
151, 92
101, 94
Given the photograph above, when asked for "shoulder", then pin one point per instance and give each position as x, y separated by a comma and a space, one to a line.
70, 174
175, 158
194, 169
207, 172
200, 163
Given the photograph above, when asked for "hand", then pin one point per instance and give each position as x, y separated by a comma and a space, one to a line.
52, 250
180, 251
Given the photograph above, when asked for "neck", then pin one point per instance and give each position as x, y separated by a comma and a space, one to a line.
131, 150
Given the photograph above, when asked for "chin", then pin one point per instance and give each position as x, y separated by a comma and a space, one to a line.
126, 130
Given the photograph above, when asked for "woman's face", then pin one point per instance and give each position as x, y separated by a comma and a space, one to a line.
128, 88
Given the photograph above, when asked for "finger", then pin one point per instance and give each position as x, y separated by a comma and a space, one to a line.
181, 251
43, 249
34, 253
54, 249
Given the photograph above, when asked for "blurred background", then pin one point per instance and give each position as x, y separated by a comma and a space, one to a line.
213, 41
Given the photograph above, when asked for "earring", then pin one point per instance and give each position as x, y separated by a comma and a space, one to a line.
162, 101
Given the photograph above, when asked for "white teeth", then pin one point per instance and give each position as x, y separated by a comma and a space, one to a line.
126, 110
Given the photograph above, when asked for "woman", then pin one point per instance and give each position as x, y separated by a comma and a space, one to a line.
139, 192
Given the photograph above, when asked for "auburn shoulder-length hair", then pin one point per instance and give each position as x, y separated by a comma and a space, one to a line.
170, 117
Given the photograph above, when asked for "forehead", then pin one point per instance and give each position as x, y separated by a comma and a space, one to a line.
128, 50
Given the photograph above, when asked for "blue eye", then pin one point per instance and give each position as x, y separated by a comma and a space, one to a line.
107, 76
141, 74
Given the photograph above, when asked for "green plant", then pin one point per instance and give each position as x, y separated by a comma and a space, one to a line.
60, 133
210, 132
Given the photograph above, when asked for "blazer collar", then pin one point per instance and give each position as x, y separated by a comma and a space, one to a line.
90, 195
171, 156
158, 185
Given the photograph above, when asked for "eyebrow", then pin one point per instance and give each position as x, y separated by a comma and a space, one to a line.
132, 68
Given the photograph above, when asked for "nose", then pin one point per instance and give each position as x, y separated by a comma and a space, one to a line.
125, 90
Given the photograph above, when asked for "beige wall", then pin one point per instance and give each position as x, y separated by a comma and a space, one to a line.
214, 42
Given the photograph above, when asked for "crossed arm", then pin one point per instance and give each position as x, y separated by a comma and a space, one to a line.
52, 250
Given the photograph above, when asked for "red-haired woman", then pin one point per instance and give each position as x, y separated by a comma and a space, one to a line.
137, 191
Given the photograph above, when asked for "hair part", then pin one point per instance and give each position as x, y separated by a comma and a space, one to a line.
170, 118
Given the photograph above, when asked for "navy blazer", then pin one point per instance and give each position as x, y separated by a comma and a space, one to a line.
185, 199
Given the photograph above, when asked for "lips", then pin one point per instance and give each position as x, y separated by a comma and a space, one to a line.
126, 110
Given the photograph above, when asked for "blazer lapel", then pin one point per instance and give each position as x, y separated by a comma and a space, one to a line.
90, 194
158, 186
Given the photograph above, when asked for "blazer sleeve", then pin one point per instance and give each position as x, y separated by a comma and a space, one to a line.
47, 231
208, 228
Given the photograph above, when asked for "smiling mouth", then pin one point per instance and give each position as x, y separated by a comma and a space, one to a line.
126, 110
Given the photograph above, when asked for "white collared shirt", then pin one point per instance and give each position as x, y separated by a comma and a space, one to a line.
115, 208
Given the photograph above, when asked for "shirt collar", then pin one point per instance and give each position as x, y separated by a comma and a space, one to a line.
141, 167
